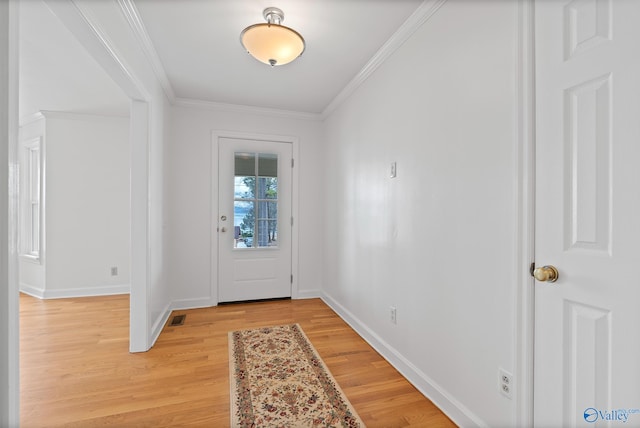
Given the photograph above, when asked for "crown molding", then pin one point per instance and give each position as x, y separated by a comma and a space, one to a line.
70, 115
237, 108
30, 118
421, 15
137, 25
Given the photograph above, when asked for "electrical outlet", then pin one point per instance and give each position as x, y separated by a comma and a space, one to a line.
506, 383
114, 271
392, 314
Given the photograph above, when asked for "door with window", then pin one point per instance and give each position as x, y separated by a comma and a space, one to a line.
254, 219
587, 321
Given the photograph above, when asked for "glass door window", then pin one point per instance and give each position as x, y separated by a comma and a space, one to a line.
255, 207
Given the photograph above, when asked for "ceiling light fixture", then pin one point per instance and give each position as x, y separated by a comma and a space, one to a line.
272, 43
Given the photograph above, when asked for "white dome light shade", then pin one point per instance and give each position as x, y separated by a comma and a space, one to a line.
272, 43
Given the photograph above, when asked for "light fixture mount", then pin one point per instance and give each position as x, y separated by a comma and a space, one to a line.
272, 43
273, 15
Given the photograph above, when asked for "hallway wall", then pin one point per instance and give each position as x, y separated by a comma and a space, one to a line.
437, 242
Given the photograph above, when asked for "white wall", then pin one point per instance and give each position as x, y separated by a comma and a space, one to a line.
438, 241
191, 210
86, 213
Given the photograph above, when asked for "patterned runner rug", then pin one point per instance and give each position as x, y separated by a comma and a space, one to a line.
278, 380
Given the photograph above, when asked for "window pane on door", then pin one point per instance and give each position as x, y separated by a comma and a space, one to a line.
267, 223
244, 223
267, 165
267, 235
245, 164
267, 187
244, 187
267, 210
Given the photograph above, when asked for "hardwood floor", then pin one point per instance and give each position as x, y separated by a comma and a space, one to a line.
76, 369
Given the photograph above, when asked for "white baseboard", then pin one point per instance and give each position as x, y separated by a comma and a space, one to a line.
161, 321
203, 302
158, 325
32, 291
105, 290
307, 294
457, 412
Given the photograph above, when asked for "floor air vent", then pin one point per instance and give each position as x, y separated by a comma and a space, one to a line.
177, 320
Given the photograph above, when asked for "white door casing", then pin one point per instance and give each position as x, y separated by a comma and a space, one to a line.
263, 271
587, 324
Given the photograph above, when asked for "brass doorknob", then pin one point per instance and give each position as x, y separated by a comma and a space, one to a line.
546, 274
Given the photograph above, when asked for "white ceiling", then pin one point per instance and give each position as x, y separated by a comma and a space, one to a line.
56, 73
197, 43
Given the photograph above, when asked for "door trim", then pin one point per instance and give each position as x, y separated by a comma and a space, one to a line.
9, 294
294, 141
525, 221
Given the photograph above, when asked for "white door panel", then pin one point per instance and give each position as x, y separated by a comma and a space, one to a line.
254, 219
587, 328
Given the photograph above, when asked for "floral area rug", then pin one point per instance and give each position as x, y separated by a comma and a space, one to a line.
278, 380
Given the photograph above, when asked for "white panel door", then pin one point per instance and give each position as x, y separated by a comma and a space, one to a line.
254, 219
587, 323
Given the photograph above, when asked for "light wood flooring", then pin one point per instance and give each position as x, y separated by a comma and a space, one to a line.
76, 369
